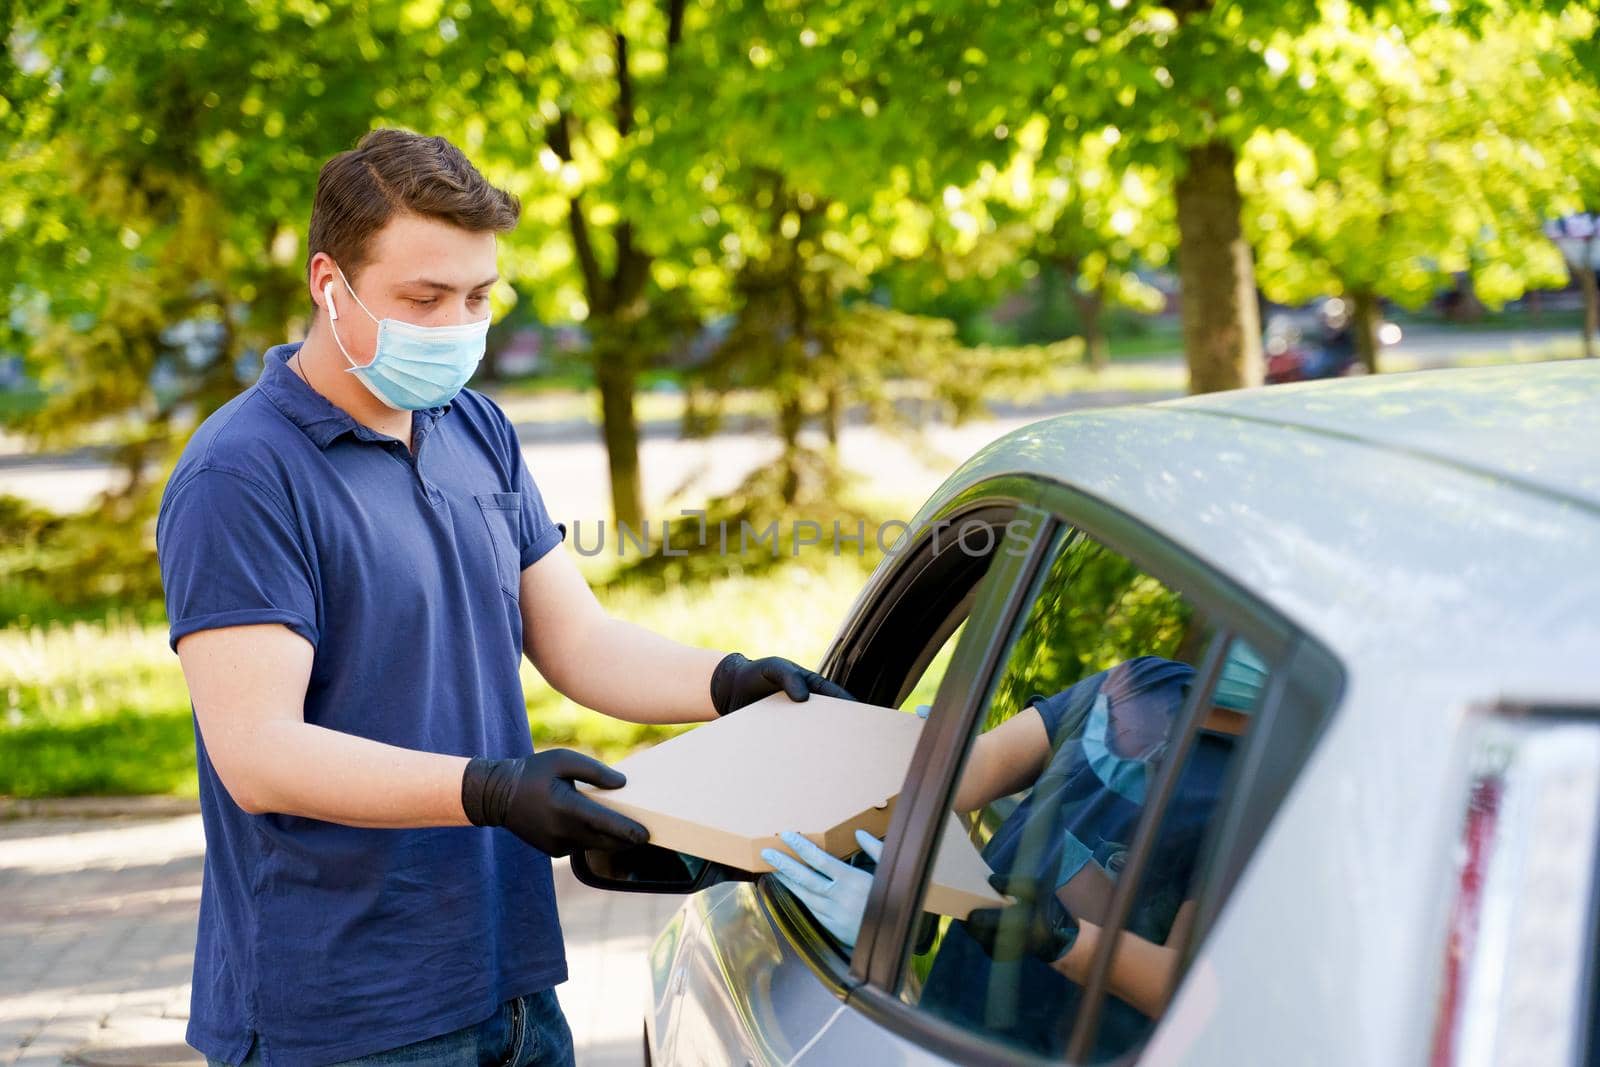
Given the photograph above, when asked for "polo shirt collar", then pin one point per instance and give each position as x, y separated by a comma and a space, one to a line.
317, 416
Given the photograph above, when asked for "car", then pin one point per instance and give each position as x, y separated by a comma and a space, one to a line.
1304, 344
1396, 861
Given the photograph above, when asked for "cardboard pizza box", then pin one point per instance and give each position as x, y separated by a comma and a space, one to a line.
825, 767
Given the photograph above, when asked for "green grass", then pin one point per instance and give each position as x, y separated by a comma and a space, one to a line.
1161, 337
928, 685
15, 403
92, 708
101, 708
126, 753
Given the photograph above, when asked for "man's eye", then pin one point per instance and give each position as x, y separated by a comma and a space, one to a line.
423, 302
479, 299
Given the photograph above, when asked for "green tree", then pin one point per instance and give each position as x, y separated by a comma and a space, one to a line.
1581, 248
1180, 87
804, 335
1096, 222
816, 188
156, 186
582, 91
1176, 88
1443, 155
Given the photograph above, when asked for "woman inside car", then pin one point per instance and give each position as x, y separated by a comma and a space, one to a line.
1089, 753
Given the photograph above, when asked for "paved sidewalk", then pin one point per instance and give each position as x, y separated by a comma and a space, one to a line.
97, 920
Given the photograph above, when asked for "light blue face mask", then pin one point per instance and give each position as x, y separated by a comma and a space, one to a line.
1122, 775
414, 367
1243, 675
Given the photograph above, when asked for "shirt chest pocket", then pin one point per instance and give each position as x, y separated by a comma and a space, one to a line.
502, 513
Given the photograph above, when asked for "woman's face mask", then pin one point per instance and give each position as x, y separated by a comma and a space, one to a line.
1123, 772
414, 367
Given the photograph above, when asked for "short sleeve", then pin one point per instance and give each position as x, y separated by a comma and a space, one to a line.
1063, 712
230, 555
539, 532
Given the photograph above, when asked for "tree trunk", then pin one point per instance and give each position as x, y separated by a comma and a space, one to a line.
617, 301
1590, 287
1221, 323
831, 415
1364, 323
1096, 349
791, 419
614, 374
1463, 304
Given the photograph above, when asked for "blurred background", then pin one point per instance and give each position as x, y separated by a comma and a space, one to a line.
777, 261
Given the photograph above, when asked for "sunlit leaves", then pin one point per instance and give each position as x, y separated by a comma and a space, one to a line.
1443, 152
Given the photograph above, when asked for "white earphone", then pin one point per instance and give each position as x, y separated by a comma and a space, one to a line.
327, 295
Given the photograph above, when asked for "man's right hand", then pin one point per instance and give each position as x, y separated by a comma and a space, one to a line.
534, 798
1038, 924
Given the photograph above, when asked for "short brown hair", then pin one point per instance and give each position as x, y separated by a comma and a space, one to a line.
395, 171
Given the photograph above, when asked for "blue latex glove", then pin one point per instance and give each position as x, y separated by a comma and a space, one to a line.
923, 709
835, 892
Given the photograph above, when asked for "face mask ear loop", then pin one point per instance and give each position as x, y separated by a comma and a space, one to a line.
352, 292
327, 293
335, 331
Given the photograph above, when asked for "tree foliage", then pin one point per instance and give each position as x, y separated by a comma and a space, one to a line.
1442, 154
684, 161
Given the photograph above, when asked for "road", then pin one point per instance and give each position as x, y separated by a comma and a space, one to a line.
569, 464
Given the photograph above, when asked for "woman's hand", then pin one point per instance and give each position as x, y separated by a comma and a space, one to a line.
835, 892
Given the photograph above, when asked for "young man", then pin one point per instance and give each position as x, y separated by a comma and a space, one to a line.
355, 559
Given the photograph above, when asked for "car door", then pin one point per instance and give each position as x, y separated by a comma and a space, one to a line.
1073, 594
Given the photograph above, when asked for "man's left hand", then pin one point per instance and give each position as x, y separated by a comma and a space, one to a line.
738, 681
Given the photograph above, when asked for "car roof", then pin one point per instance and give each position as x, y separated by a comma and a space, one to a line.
1534, 424
1447, 518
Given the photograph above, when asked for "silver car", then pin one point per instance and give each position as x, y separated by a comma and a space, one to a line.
1383, 852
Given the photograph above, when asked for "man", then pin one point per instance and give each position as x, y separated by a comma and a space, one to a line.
355, 558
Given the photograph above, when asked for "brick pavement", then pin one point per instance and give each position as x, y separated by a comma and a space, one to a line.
97, 920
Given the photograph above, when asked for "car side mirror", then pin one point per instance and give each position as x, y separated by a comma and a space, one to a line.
651, 869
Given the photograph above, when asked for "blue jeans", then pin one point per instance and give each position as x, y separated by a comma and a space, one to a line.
528, 1031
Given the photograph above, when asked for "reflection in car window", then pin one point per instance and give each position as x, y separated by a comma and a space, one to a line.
922, 694
1078, 726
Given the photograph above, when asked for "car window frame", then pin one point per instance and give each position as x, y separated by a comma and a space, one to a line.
1299, 666
855, 660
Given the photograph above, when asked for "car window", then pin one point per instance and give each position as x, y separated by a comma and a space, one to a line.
1086, 717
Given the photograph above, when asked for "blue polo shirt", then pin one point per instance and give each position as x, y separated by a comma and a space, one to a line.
1077, 813
402, 570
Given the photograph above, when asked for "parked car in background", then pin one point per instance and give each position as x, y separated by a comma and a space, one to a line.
1395, 861
1304, 344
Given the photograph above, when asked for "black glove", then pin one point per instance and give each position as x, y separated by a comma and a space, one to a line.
1036, 925
534, 798
738, 681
